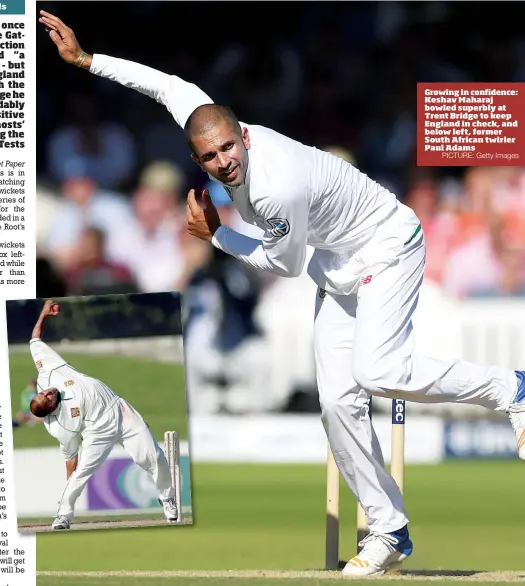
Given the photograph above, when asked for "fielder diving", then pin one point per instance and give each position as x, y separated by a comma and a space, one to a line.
368, 263
75, 405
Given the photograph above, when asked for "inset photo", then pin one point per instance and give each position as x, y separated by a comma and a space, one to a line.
99, 412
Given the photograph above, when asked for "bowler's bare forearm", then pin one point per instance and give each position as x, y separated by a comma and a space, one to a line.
38, 330
71, 466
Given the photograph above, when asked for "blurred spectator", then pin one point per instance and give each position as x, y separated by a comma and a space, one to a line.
508, 190
495, 205
491, 262
163, 175
105, 149
148, 243
24, 415
83, 204
92, 274
227, 359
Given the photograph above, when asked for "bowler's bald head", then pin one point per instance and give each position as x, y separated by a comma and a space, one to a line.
206, 118
45, 402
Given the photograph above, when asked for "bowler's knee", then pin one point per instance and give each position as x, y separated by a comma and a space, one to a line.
349, 405
380, 375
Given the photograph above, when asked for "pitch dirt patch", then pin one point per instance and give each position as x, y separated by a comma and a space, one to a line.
87, 525
459, 575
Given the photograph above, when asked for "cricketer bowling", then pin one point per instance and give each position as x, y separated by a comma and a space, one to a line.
368, 262
75, 405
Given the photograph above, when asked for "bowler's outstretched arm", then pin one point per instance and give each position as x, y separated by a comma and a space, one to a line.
180, 97
50, 309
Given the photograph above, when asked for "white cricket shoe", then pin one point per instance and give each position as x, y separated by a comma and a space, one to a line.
170, 510
61, 522
380, 553
516, 414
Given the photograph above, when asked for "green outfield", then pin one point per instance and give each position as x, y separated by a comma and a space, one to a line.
155, 389
465, 516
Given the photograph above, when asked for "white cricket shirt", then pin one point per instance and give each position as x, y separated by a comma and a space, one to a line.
83, 399
299, 195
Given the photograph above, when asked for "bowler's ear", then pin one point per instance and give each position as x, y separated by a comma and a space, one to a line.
246, 138
195, 159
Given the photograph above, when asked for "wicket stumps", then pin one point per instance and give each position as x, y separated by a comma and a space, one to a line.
172, 452
397, 468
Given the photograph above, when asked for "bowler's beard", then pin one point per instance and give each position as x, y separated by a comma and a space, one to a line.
57, 401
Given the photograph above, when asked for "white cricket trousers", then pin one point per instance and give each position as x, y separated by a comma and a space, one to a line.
364, 345
123, 425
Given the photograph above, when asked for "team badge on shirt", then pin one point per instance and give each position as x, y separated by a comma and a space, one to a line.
279, 227
75, 412
38, 364
69, 382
